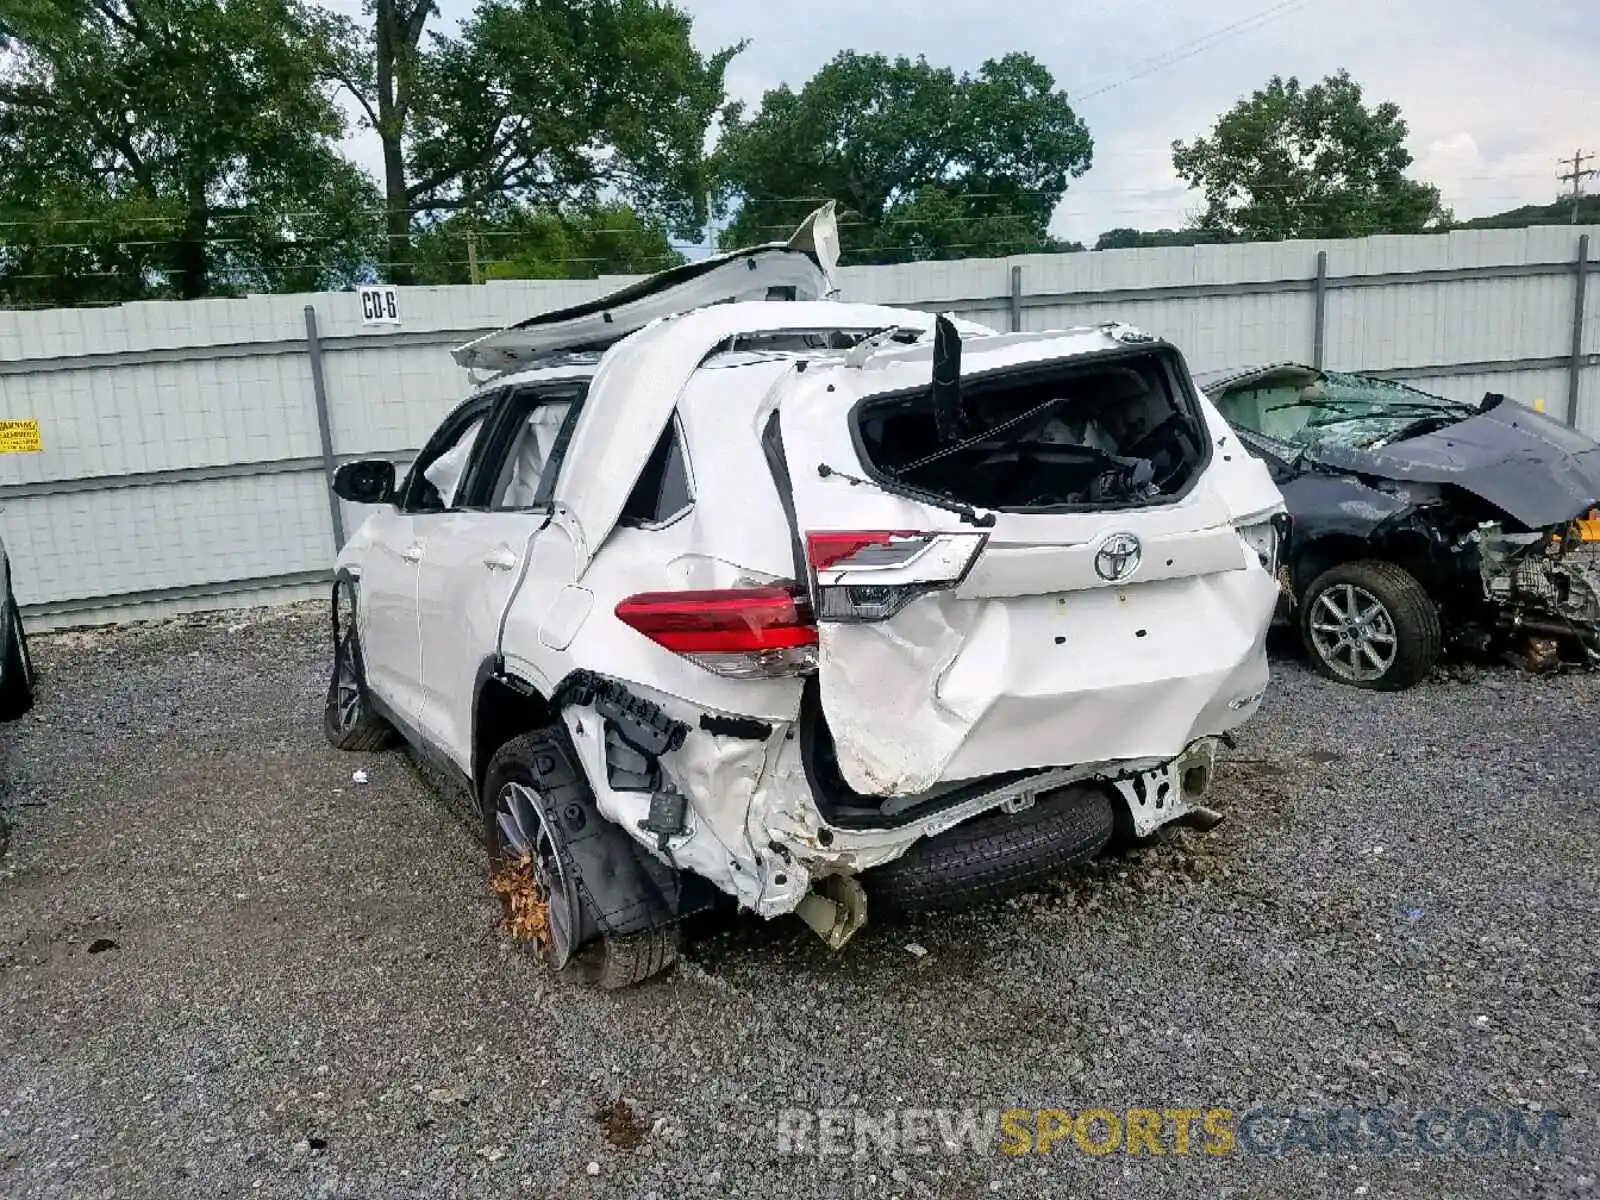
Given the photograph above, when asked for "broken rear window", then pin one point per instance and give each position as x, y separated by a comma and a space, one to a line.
1103, 432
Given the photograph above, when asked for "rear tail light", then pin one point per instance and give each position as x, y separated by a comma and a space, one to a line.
870, 575
743, 633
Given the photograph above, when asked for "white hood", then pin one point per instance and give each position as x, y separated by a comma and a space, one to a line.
800, 269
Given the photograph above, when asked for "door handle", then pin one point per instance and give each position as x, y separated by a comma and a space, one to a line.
501, 560
412, 554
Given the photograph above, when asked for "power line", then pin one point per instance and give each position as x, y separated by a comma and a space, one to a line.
1576, 176
1200, 45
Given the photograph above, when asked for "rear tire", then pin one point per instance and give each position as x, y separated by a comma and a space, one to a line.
1396, 638
995, 855
349, 720
16, 675
540, 767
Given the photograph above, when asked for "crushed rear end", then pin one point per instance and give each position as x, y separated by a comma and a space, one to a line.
1050, 576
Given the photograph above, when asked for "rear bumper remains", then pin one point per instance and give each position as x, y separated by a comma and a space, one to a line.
738, 809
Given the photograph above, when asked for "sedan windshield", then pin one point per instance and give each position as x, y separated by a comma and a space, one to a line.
1303, 408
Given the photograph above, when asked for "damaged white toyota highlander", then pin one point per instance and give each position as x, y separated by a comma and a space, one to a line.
718, 585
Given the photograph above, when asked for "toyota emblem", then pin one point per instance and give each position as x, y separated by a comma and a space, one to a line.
1118, 557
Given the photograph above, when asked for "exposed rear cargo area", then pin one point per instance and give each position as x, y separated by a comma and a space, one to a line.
1107, 431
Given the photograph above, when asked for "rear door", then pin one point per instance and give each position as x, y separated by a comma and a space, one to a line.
475, 556
955, 647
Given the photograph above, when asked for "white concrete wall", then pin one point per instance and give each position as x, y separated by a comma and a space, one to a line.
225, 386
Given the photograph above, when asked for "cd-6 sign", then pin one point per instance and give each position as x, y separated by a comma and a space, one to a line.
380, 305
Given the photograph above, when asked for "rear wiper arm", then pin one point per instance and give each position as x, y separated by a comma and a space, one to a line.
965, 511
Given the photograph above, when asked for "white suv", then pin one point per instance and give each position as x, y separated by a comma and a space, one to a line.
817, 603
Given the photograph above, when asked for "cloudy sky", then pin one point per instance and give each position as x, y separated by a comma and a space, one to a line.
1494, 92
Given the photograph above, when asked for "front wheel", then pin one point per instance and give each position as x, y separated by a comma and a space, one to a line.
1372, 625
531, 790
349, 720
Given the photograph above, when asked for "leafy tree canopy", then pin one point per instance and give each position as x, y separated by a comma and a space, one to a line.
170, 147
1294, 162
526, 243
926, 163
1142, 239
557, 104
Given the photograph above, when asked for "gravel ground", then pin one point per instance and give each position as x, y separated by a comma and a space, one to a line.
226, 969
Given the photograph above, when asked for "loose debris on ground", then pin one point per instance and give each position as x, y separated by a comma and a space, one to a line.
226, 969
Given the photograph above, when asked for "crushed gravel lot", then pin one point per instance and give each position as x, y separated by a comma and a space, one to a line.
228, 969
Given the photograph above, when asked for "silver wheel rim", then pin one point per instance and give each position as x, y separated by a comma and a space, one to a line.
346, 687
1353, 633
346, 683
524, 834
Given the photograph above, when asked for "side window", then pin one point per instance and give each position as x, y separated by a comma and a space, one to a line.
436, 478
528, 446
664, 489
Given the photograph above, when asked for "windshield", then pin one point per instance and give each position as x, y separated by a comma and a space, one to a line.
1303, 407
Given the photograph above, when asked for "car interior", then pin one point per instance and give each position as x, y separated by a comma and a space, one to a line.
1101, 434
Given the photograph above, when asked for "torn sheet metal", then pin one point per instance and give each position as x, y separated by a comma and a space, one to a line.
1163, 794
1533, 468
641, 381
1033, 657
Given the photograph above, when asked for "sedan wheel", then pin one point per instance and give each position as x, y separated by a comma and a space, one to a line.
1353, 633
1370, 624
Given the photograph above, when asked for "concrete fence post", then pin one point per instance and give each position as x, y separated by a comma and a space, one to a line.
1575, 368
1319, 322
319, 389
1016, 299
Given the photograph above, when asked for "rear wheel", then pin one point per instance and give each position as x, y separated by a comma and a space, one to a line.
1372, 625
530, 785
996, 854
16, 674
348, 719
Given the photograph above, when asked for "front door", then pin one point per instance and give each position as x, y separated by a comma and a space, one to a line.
391, 639
386, 613
474, 559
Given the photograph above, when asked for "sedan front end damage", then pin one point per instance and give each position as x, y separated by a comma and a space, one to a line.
1545, 585
1422, 522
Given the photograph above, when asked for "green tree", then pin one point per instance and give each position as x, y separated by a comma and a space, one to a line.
170, 147
555, 104
925, 163
1293, 162
1140, 239
517, 242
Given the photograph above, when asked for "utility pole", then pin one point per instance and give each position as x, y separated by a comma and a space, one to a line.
711, 225
1576, 176
472, 245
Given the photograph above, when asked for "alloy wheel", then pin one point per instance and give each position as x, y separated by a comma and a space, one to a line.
1353, 633
525, 835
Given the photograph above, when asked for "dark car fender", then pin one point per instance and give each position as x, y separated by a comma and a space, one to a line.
1338, 518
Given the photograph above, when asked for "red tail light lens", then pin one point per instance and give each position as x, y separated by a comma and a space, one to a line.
744, 633
824, 550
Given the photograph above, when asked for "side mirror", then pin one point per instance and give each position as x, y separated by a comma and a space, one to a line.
369, 481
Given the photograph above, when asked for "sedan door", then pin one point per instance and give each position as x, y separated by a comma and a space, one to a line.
475, 558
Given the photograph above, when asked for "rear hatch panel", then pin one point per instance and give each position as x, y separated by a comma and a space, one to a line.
952, 650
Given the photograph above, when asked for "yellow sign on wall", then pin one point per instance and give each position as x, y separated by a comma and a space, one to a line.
20, 437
